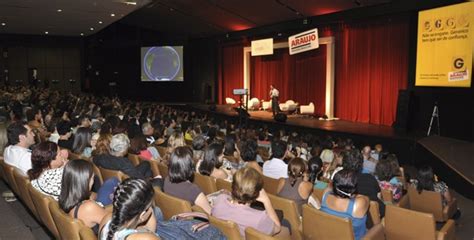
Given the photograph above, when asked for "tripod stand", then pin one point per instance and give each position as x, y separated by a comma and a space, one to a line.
434, 115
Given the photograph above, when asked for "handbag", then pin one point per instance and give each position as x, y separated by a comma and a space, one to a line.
191, 225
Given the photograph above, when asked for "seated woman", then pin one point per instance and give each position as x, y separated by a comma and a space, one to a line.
180, 177
132, 216
296, 187
47, 168
247, 187
175, 140
231, 159
138, 146
82, 142
210, 165
386, 175
76, 196
249, 154
315, 169
426, 180
343, 201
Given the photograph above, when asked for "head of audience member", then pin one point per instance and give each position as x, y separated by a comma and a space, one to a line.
248, 150
147, 129
366, 152
45, 155
64, 129
76, 184
181, 165
94, 140
119, 145
393, 160
20, 134
315, 168
296, 170
34, 114
246, 185
384, 170
229, 146
103, 144
425, 179
132, 205
138, 144
327, 156
211, 160
199, 143
345, 183
352, 160
82, 139
176, 140
378, 148
279, 149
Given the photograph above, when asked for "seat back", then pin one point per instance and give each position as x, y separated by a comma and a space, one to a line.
134, 158
22, 183
107, 173
86, 233
374, 212
75, 156
154, 166
270, 185
206, 184
163, 169
403, 223
387, 195
170, 205
97, 173
318, 194
320, 225
290, 212
427, 202
252, 234
2, 174
8, 171
70, 227
223, 184
228, 228
41, 203
161, 151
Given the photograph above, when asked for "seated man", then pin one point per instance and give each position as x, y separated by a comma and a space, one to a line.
17, 154
276, 167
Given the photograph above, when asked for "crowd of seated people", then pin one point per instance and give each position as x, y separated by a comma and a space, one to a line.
105, 131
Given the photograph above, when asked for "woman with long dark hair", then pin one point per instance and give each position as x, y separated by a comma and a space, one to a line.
132, 214
82, 142
76, 198
47, 168
426, 180
210, 165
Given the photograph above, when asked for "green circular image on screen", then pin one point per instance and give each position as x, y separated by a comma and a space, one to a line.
161, 63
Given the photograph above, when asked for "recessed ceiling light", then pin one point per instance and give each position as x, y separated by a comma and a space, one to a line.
46, 32
130, 2
92, 29
59, 10
4, 24
112, 14
82, 34
100, 22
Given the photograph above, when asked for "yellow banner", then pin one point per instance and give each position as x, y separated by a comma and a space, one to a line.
445, 46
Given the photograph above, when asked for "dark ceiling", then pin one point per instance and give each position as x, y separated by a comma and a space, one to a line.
213, 17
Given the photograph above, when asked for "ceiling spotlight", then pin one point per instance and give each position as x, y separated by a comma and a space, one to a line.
46, 32
100, 22
4, 24
59, 10
92, 29
130, 2
82, 34
112, 14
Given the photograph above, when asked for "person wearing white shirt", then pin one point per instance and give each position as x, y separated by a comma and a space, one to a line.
274, 94
276, 168
17, 154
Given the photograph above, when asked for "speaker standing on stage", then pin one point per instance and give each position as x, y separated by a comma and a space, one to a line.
274, 96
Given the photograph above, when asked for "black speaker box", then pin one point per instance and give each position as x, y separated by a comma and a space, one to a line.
280, 117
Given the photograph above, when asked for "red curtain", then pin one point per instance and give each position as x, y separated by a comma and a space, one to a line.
371, 67
230, 70
300, 77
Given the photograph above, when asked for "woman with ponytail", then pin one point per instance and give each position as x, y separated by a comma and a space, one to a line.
297, 186
132, 216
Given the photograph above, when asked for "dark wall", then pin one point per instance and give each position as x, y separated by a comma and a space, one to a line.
113, 56
58, 60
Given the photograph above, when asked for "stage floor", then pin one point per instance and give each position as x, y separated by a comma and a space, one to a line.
305, 121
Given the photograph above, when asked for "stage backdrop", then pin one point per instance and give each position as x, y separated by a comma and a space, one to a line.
371, 67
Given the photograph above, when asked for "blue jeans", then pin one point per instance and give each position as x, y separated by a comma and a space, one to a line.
105, 193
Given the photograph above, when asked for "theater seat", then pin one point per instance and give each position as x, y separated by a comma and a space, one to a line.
430, 202
206, 184
270, 184
228, 228
107, 173
290, 213
134, 158
170, 205
223, 184
68, 227
8, 174
41, 203
23, 182
163, 169
252, 234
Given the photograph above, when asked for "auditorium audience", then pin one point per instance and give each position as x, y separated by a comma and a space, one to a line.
344, 201
386, 175
276, 168
82, 142
369, 162
17, 153
132, 215
47, 168
210, 164
179, 182
296, 187
427, 181
247, 187
315, 169
249, 154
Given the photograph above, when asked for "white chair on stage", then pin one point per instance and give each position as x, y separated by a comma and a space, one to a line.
230, 101
254, 104
267, 105
288, 106
307, 109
